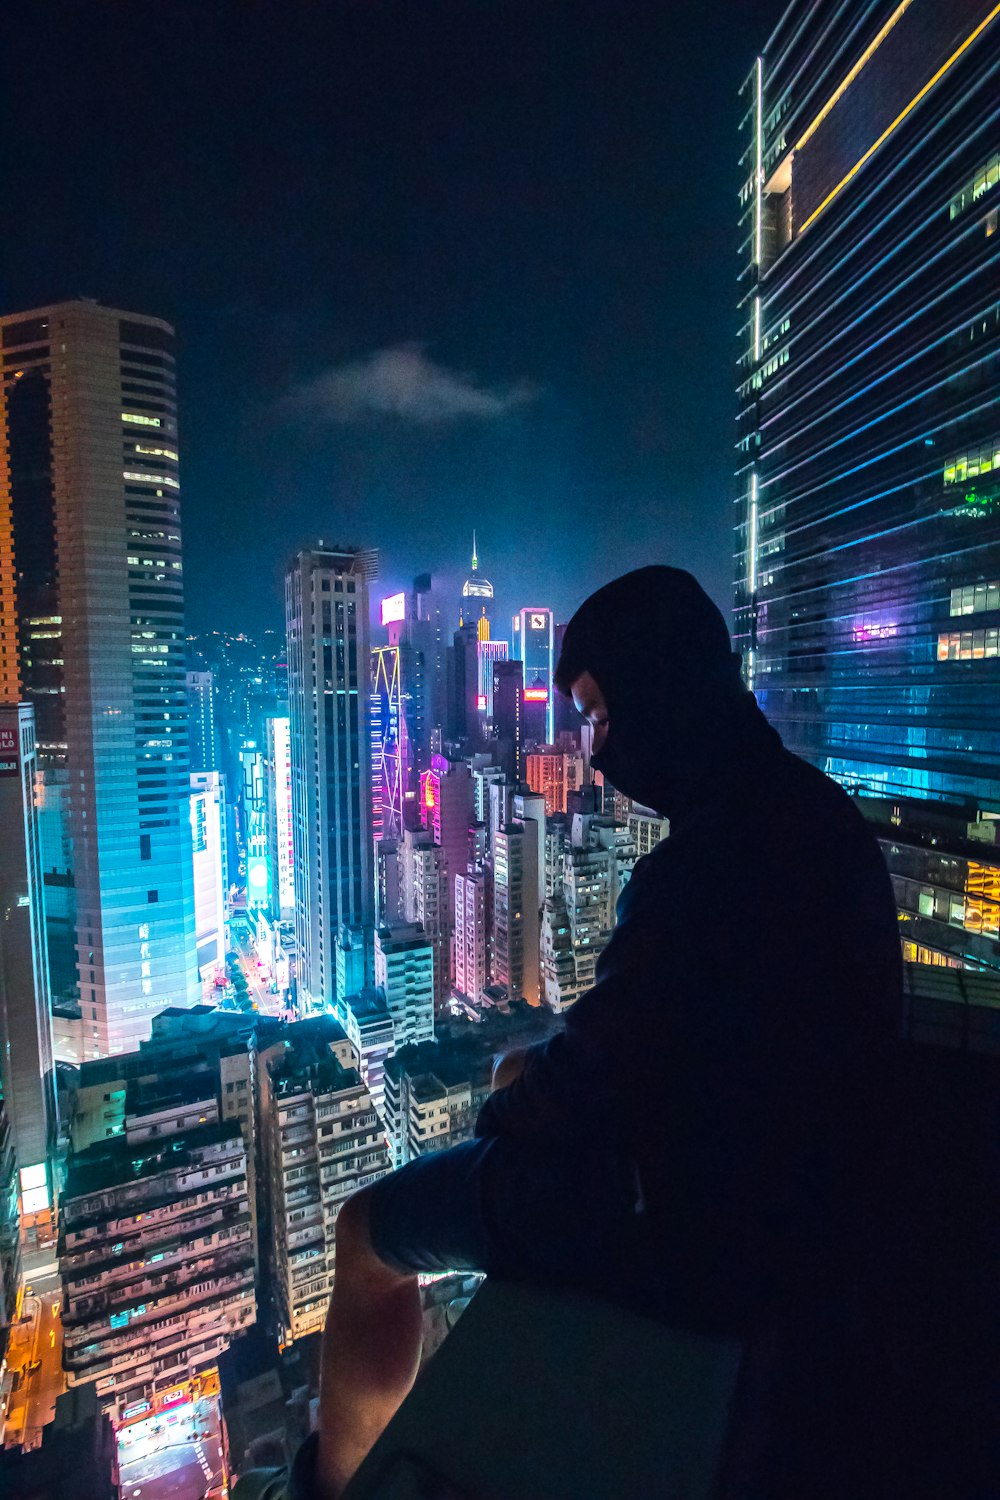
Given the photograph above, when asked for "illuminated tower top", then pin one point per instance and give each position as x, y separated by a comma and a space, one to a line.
476, 588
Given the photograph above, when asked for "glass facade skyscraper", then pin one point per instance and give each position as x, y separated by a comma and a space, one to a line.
92, 635
868, 505
329, 700
534, 644
27, 1071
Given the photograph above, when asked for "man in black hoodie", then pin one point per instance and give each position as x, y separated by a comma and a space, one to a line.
701, 1142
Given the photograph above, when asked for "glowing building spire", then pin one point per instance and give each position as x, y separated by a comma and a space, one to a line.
477, 589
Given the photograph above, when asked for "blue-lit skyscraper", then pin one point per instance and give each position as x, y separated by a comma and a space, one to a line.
92, 635
534, 644
27, 1070
868, 536
329, 688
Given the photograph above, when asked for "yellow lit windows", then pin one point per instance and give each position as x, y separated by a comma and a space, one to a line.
984, 460
156, 452
167, 479
138, 420
982, 899
968, 645
987, 177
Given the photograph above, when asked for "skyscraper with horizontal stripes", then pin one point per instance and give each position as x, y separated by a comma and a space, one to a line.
92, 635
867, 600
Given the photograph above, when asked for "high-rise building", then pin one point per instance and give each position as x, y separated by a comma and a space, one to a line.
156, 1254
528, 808
326, 610
372, 1035
322, 1140
56, 853
27, 1070
477, 593
463, 718
91, 633
508, 717
868, 541
449, 812
563, 981
471, 939
489, 653
597, 858
278, 808
555, 773
388, 882
516, 926
534, 645
253, 825
197, 1066
647, 830
422, 870
404, 974
390, 776
483, 777
202, 729
428, 636
208, 854
434, 1091
535, 700
10, 1228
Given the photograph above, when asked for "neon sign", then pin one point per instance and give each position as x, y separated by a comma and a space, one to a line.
536, 695
393, 608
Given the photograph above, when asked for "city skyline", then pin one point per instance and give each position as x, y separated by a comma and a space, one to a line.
332, 400
362, 368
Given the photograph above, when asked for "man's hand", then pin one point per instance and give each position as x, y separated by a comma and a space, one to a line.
508, 1067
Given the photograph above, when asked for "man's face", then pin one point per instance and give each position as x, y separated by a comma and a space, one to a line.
589, 701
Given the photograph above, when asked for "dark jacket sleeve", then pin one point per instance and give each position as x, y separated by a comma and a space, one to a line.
570, 1080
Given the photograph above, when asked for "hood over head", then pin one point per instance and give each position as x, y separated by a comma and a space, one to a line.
660, 652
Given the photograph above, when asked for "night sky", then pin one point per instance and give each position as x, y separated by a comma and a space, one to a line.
433, 264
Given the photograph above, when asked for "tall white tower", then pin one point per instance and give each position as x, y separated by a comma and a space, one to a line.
92, 635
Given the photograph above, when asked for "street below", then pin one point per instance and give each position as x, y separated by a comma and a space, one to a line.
36, 1353
174, 1456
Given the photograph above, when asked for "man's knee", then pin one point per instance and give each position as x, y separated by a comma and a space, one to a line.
356, 1255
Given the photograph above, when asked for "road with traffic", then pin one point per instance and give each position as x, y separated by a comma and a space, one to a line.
36, 1351
243, 946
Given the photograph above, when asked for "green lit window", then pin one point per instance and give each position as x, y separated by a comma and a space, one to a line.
972, 598
987, 177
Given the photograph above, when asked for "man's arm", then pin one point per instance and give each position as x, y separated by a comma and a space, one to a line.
559, 1087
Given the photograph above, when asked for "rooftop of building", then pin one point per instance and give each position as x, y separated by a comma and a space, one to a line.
464, 1050
118, 1162
405, 938
265, 1395
368, 1003
308, 1063
181, 1038
172, 1090
79, 1441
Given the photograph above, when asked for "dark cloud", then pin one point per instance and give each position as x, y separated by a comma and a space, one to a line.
402, 382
